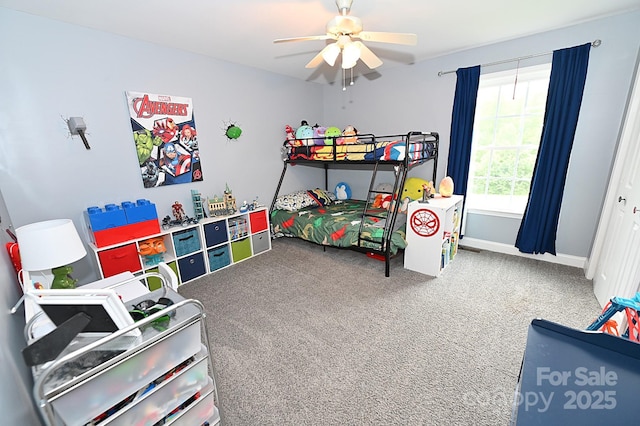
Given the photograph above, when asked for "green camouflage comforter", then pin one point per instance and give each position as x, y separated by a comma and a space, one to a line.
337, 224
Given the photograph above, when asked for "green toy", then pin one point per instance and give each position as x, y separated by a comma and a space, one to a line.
330, 134
62, 278
233, 132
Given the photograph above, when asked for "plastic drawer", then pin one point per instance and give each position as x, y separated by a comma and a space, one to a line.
215, 233
241, 249
89, 398
200, 411
119, 259
191, 267
258, 221
186, 241
261, 242
219, 257
159, 402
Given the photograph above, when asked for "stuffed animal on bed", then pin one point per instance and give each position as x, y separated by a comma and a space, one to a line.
413, 188
291, 137
349, 135
383, 199
342, 191
303, 133
331, 133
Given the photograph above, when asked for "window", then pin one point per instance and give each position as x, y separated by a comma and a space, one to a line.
506, 135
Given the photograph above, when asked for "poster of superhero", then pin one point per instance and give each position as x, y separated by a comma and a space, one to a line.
166, 139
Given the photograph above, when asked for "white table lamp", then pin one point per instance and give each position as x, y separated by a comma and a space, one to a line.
52, 244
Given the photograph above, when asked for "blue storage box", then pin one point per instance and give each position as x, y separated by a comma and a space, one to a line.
219, 257
186, 241
111, 216
141, 211
215, 233
191, 267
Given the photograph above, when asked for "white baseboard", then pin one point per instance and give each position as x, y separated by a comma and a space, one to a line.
562, 259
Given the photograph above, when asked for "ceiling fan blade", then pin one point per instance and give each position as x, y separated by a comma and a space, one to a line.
382, 37
317, 60
367, 56
308, 38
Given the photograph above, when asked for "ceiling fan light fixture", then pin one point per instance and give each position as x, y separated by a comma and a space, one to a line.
350, 55
330, 53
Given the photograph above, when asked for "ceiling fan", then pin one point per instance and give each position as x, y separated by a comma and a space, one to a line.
348, 34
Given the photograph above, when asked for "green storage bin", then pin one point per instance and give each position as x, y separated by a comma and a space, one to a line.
154, 283
240, 249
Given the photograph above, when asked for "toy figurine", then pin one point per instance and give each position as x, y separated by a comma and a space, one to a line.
426, 193
178, 211
62, 278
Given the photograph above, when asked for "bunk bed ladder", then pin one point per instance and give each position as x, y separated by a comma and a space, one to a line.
381, 244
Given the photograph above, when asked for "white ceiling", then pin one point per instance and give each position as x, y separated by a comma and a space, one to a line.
242, 31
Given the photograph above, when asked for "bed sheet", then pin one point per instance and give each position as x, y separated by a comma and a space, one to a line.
337, 224
385, 151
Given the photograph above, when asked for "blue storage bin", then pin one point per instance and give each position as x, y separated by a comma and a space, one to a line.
187, 241
191, 267
215, 233
219, 257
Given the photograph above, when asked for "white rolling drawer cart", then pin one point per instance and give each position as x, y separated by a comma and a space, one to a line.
161, 375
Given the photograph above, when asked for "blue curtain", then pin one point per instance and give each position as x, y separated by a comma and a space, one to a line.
464, 111
537, 233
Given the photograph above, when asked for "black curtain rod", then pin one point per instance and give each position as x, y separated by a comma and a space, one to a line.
595, 43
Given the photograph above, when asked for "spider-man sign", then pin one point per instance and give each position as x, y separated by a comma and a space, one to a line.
424, 222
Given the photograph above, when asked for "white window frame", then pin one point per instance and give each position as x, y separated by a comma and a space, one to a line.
474, 203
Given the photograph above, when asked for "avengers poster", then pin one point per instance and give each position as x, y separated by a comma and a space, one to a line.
166, 139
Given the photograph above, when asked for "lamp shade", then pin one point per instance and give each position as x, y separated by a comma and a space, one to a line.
49, 244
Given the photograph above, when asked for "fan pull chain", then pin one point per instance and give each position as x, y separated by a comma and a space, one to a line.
344, 81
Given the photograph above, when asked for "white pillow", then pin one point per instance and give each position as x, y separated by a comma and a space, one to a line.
294, 201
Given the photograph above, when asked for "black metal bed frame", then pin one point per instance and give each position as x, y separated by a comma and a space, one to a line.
401, 168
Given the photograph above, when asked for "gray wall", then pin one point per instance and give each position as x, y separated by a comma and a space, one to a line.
415, 98
15, 391
46, 174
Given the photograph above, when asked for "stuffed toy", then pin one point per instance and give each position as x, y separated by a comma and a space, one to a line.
413, 188
331, 133
342, 191
318, 133
349, 135
304, 133
382, 201
291, 137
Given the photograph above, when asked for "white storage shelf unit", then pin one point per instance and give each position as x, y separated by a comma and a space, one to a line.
432, 234
163, 375
194, 250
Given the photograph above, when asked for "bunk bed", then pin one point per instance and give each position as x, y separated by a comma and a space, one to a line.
317, 216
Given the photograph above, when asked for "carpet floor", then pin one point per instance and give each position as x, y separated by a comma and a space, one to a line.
305, 336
